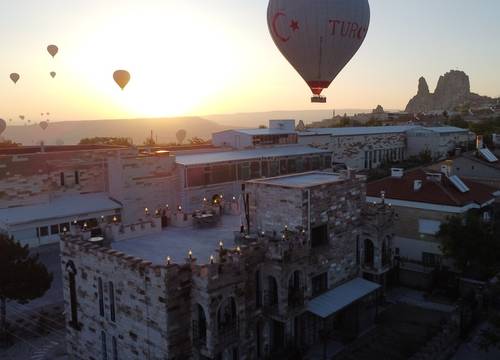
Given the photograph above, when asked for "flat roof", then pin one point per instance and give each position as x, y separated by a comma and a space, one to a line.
266, 131
177, 241
63, 207
372, 130
23, 150
340, 297
225, 156
302, 180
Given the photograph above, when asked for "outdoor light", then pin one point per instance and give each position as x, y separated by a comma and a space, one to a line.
168, 260
221, 196
211, 259
84, 226
65, 230
221, 245
157, 212
146, 211
205, 199
238, 249
190, 255
115, 219
74, 222
234, 197
166, 206
263, 233
180, 208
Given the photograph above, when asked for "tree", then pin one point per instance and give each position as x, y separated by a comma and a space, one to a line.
472, 243
121, 141
22, 276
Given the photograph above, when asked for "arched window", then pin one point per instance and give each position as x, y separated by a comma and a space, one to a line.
272, 291
369, 252
226, 316
71, 269
200, 325
296, 289
385, 254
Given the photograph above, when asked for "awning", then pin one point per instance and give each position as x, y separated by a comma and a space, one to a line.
341, 297
62, 207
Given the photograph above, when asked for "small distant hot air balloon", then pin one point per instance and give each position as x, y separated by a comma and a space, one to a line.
318, 38
53, 74
44, 125
121, 77
29, 121
41, 114
10, 120
15, 77
3, 125
181, 135
21, 117
53, 50
47, 114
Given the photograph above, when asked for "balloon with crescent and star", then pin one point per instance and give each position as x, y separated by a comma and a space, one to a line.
318, 39
15, 77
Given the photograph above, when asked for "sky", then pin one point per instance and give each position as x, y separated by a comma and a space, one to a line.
195, 57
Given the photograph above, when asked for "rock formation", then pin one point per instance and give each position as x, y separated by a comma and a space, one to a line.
453, 90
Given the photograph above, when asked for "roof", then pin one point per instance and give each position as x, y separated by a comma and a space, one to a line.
302, 180
225, 156
431, 192
260, 131
23, 150
361, 130
63, 207
177, 241
342, 296
372, 130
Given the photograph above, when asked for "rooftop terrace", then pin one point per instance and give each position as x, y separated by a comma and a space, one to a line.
177, 241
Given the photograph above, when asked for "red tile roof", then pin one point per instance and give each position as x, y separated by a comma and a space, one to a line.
441, 193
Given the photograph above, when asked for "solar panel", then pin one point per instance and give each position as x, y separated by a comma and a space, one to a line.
459, 184
488, 155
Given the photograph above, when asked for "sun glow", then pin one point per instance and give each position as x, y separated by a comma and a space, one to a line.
178, 63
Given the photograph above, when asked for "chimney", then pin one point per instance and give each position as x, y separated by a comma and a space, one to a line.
397, 172
417, 185
479, 142
446, 170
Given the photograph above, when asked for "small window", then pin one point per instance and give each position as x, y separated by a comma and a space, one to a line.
430, 259
77, 177
428, 227
104, 347
101, 296
43, 231
115, 348
319, 284
112, 301
62, 179
54, 229
319, 236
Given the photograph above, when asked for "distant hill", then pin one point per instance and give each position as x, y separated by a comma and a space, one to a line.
70, 132
254, 119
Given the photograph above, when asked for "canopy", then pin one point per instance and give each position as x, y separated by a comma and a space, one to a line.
342, 296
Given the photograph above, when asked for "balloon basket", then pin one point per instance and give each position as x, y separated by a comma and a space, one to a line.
318, 99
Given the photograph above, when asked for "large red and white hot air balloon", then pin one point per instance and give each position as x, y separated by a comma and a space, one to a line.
318, 37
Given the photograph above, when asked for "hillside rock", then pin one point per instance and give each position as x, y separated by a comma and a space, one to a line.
452, 90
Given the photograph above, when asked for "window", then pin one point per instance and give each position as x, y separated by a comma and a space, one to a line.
43, 231
258, 290
357, 250
431, 259
319, 236
77, 177
71, 270
54, 229
115, 348
61, 175
319, 284
101, 296
112, 301
428, 227
244, 171
369, 252
104, 348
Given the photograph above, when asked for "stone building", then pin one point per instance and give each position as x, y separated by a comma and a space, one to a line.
290, 281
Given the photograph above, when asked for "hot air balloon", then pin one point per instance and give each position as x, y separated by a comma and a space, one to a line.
320, 38
53, 74
47, 114
3, 125
14, 77
44, 125
41, 114
121, 77
21, 117
181, 135
29, 121
53, 50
